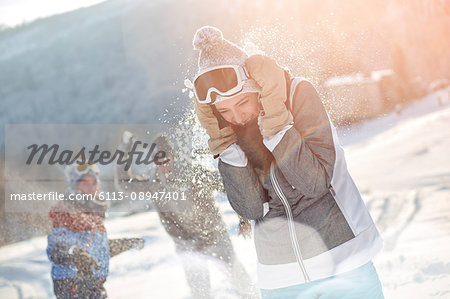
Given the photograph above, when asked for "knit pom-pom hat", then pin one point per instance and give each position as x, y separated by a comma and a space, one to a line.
216, 51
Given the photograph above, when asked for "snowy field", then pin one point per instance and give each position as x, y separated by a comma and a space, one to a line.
401, 164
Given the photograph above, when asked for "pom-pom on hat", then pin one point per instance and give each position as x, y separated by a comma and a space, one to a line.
215, 50
206, 37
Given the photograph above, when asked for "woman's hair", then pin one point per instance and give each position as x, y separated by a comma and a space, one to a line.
164, 144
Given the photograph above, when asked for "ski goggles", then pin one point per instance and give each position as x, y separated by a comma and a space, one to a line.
224, 80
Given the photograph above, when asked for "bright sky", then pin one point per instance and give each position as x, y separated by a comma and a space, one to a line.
14, 12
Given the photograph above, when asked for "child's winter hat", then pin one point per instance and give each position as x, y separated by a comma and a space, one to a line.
77, 172
216, 51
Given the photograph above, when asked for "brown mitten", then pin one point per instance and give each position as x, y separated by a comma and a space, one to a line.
220, 139
270, 76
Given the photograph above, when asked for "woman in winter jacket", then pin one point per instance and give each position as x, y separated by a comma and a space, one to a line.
282, 166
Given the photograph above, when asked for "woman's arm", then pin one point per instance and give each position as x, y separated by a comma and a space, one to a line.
244, 190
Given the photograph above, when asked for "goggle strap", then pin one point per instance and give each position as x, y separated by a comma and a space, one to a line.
243, 72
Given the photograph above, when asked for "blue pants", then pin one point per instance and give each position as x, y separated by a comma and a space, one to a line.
362, 282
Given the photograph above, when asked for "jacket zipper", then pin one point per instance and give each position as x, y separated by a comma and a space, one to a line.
290, 218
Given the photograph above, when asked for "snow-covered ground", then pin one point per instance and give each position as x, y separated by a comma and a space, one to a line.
401, 164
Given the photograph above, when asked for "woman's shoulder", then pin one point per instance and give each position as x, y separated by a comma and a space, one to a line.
301, 90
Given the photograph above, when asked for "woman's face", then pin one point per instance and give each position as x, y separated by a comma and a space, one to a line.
239, 109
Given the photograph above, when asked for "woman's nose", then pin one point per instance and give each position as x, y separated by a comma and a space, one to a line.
239, 117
